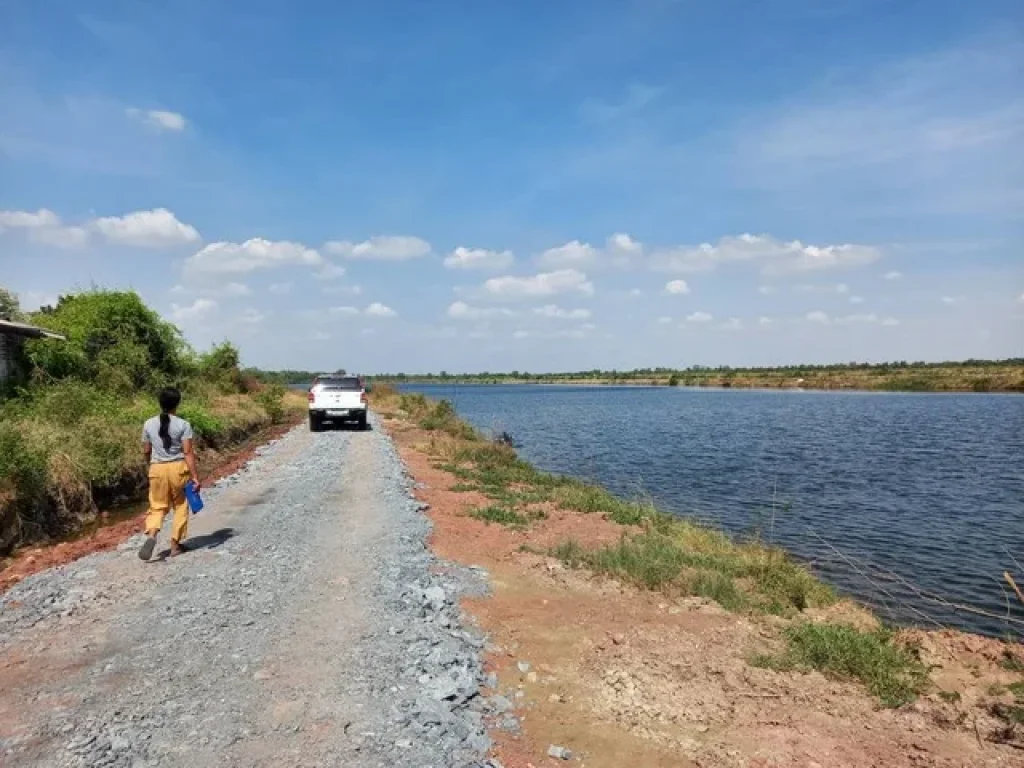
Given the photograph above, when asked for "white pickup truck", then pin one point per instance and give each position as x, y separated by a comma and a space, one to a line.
336, 398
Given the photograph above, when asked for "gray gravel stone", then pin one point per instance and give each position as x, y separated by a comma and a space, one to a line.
310, 625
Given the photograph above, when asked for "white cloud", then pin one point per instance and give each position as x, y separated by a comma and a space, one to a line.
254, 254
329, 272
950, 300
765, 322
160, 119
251, 316
776, 256
380, 248
840, 288
343, 290
478, 258
343, 311
460, 310
321, 336
699, 318
543, 284
677, 287
28, 220
857, 319
572, 254
894, 275
376, 309
1020, 298
623, 245
664, 320
280, 289
764, 290
733, 324
61, 237
146, 229
232, 290
521, 334
620, 250
635, 293
867, 318
856, 299
557, 313
198, 310
44, 226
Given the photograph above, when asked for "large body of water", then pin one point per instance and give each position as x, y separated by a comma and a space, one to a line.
877, 492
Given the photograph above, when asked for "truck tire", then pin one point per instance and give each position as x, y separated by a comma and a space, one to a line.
361, 421
314, 422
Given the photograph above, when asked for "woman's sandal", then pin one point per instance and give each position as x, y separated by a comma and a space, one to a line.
146, 550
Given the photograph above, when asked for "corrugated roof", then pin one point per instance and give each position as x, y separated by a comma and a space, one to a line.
11, 328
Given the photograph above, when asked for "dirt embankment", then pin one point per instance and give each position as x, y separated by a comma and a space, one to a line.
111, 529
622, 676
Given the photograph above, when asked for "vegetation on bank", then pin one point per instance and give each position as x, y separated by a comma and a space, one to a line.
661, 552
966, 376
889, 670
71, 417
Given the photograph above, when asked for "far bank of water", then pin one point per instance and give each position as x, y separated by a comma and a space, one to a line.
886, 495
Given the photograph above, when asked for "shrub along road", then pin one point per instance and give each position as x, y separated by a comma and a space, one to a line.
310, 627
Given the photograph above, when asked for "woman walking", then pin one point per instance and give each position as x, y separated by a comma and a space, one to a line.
167, 443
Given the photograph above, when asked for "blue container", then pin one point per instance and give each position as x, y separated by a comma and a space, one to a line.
195, 501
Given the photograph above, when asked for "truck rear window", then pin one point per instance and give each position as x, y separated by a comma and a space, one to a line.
347, 384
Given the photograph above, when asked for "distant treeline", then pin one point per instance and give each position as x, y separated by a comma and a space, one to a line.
954, 376
643, 373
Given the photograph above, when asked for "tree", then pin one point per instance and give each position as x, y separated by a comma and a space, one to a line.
113, 338
10, 309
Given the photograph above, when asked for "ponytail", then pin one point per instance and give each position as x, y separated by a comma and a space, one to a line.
169, 399
165, 435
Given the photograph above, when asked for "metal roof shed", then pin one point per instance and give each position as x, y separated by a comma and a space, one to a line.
12, 334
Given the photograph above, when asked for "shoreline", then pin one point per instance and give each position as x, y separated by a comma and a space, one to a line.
663, 384
576, 640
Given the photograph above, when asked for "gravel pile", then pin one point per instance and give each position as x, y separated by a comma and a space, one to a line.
311, 627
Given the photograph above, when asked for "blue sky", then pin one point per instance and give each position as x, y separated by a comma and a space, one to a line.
526, 185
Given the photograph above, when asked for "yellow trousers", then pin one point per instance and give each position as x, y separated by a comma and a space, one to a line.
167, 491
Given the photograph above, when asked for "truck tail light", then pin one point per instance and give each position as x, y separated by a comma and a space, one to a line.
312, 397
362, 397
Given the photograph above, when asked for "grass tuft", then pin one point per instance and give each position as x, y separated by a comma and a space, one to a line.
889, 670
501, 516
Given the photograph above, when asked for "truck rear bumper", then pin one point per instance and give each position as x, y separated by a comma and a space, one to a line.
339, 414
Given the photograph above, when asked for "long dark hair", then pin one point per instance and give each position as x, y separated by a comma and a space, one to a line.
169, 398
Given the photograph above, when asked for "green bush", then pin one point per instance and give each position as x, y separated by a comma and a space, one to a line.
112, 334
219, 366
204, 424
271, 400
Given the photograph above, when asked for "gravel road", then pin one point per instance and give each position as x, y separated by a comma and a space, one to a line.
310, 627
